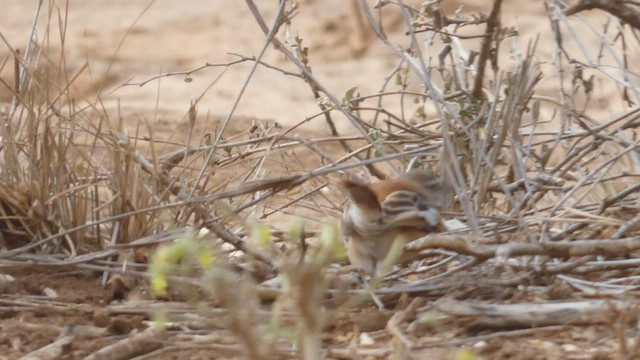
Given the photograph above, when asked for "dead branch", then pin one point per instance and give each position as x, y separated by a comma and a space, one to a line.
503, 316
188, 73
142, 343
480, 248
393, 325
55, 350
492, 23
494, 335
616, 8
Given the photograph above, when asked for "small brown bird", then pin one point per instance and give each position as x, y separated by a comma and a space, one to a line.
378, 214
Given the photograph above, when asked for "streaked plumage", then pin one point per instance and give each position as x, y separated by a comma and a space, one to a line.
401, 209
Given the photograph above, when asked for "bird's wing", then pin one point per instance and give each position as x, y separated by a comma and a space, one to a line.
360, 193
408, 208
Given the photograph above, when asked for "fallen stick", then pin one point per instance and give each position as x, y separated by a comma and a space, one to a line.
142, 343
514, 316
55, 350
479, 247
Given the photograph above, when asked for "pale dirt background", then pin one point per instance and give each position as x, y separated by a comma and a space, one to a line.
175, 35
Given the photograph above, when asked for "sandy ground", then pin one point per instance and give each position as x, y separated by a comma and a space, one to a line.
131, 41
117, 42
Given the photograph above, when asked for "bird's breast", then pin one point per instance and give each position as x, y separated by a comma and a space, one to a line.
367, 225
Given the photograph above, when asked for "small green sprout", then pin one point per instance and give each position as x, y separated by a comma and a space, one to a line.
466, 354
330, 239
168, 258
260, 235
160, 319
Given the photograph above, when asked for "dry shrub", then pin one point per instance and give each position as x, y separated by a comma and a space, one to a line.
526, 168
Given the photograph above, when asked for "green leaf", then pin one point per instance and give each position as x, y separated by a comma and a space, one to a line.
466, 354
374, 134
349, 95
261, 235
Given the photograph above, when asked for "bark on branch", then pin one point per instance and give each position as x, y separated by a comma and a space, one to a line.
614, 7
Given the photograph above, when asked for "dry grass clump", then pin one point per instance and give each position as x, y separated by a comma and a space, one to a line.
546, 195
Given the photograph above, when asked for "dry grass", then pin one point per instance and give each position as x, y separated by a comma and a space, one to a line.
547, 195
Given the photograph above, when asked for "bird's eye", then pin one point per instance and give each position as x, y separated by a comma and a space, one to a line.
422, 206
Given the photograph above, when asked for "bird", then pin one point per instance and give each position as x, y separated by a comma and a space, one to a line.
381, 213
